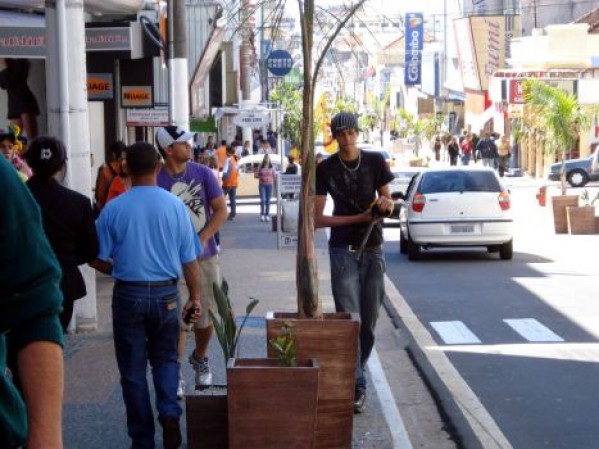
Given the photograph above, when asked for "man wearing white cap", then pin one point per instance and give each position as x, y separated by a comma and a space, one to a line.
199, 189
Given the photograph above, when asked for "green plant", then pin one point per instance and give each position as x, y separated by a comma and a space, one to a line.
224, 324
284, 346
586, 199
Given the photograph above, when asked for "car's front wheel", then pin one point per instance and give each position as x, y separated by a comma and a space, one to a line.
403, 243
577, 177
413, 250
506, 251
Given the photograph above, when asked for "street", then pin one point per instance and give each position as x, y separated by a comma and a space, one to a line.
522, 334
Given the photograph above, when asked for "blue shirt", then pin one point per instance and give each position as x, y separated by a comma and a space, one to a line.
148, 234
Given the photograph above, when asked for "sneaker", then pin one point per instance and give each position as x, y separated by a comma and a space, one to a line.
360, 400
171, 432
262, 218
202, 369
181, 389
267, 218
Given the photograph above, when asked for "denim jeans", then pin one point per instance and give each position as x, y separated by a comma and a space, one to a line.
265, 194
359, 287
232, 192
146, 329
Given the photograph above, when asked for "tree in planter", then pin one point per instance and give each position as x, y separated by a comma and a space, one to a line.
560, 116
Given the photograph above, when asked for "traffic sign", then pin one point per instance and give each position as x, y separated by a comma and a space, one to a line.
279, 62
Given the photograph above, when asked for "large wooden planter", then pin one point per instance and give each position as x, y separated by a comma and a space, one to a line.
581, 220
560, 217
207, 422
333, 340
272, 406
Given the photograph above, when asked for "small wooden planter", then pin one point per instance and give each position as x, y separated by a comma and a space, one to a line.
333, 340
560, 217
271, 406
581, 220
207, 420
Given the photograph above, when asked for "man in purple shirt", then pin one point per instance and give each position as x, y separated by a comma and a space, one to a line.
199, 189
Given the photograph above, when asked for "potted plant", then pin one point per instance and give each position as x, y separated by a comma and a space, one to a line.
272, 402
560, 116
207, 412
581, 219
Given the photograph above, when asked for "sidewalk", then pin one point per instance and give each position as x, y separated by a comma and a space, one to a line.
94, 413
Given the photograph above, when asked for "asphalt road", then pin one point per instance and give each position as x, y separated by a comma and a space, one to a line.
522, 334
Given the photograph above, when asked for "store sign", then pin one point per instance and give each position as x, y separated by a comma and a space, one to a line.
516, 93
414, 41
108, 39
99, 86
251, 119
147, 117
136, 96
291, 183
279, 62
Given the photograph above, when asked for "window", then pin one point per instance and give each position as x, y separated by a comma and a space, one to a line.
459, 181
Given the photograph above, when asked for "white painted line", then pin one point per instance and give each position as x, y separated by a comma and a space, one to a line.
454, 333
399, 435
532, 330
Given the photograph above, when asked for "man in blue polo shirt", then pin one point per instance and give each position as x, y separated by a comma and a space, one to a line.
148, 236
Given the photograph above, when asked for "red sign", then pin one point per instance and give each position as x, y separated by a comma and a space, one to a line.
516, 95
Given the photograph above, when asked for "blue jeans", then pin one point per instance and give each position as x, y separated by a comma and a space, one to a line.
265, 194
232, 192
359, 287
146, 328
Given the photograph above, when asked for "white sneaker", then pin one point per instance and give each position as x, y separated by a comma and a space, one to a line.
181, 389
203, 375
267, 218
262, 218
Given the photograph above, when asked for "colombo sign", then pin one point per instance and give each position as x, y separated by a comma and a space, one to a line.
279, 62
251, 119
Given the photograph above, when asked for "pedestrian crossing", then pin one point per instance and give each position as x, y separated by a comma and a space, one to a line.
530, 329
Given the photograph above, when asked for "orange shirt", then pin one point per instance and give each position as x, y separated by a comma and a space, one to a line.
117, 187
232, 173
221, 156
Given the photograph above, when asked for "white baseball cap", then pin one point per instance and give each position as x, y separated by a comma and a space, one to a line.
169, 135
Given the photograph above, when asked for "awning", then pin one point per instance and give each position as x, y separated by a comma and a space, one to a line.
199, 75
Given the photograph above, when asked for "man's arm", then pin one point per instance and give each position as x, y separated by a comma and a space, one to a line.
41, 372
191, 272
101, 265
219, 216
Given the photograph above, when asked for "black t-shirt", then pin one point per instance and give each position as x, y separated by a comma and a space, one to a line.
291, 169
353, 190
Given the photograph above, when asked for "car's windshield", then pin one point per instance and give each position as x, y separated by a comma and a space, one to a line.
459, 181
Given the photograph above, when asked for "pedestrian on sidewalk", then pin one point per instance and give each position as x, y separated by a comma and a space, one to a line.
30, 302
466, 149
454, 151
148, 235
487, 150
122, 182
503, 155
67, 216
199, 189
231, 180
266, 178
355, 180
106, 174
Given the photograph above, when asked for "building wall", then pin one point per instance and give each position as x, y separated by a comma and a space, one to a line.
540, 13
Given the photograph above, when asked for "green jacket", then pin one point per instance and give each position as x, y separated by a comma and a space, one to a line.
30, 298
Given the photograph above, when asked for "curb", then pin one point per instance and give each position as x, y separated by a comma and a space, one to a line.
474, 426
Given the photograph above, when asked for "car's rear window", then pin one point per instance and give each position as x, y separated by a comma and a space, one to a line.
459, 181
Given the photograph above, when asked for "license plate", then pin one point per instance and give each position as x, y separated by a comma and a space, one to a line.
461, 229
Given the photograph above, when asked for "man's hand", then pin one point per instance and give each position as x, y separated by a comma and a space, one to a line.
193, 303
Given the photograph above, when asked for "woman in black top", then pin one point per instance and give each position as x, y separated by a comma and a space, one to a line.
67, 216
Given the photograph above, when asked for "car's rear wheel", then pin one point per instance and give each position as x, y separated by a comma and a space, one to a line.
506, 251
413, 250
403, 243
577, 177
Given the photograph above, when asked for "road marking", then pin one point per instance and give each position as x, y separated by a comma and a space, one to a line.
532, 330
454, 333
399, 435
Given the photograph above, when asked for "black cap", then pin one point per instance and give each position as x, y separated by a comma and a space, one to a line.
343, 121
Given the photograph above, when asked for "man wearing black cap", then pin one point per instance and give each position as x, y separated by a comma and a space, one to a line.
356, 180
148, 235
199, 189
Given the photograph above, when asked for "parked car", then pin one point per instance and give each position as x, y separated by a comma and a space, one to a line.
248, 185
403, 176
460, 206
578, 171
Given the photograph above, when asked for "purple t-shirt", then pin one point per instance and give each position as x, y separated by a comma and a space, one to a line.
197, 187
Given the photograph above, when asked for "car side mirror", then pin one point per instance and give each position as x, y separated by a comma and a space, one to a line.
398, 196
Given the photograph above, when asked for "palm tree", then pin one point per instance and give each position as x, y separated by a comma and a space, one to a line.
560, 116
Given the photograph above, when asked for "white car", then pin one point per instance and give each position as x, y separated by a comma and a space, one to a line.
248, 184
459, 206
403, 176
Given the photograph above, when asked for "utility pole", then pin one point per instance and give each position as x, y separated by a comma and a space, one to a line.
178, 79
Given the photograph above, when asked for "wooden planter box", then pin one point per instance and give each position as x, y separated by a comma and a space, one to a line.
271, 406
207, 421
560, 217
333, 340
581, 220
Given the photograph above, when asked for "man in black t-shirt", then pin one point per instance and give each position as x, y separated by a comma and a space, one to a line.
355, 180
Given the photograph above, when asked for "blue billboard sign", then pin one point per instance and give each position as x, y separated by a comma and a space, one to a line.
414, 39
279, 63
